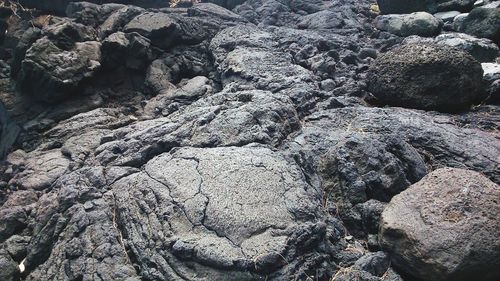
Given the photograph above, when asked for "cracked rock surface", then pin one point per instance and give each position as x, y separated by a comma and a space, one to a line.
223, 140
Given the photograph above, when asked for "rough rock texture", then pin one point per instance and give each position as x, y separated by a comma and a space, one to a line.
482, 49
450, 209
211, 144
419, 23
418, 76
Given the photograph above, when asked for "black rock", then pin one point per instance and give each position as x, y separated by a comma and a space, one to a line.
426, 76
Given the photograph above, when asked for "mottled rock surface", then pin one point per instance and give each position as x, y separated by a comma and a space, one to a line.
450, 209
202, 143
426, 76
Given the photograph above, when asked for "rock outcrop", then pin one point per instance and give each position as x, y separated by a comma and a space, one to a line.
197, 142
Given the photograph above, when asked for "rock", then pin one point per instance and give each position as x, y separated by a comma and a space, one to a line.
492, 4
481, 22
168, 30
117, 20
451, 5
401, 7
447, 16
17, 247
51, 74
321, 20
492, 79
419, 23
414, 76
375, 263
8, 132
91, 14
491, 71
10, 271
126, 49
39, 176
483, 50
450, 209
432, 6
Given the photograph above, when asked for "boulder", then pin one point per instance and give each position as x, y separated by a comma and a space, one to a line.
418, 23
482, 22
482, 49
426, 76
432, 6
167, 30
445, 227
50, 73
10, 270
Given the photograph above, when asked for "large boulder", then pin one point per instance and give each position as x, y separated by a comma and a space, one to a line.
419, 23
426, 76
445, 227
482, 49
482, 22
8, 132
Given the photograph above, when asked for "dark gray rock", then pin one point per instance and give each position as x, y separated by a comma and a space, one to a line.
126, 49
450, 209
419, 23
483, 50
167, 30
10, 270
432, 6
417, 76
375, 263
482, 22
401, 6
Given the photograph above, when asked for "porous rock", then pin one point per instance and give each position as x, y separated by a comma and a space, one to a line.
419, 76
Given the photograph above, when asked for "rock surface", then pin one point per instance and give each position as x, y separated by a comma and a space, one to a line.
202, 143
450, 209
419, 23
482, 22
418, 76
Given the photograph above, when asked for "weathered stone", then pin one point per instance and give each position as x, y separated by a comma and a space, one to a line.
419, 23
450, 209
417, 76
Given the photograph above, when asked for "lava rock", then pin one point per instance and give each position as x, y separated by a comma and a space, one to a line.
126, 49
51, 74
419, 23
9, 132
10, 270
401, 7
426, 76
482, 49
450, 209
167, 30
432, 6
375, 263
482, 22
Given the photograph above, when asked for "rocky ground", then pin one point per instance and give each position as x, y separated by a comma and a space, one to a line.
250, 140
